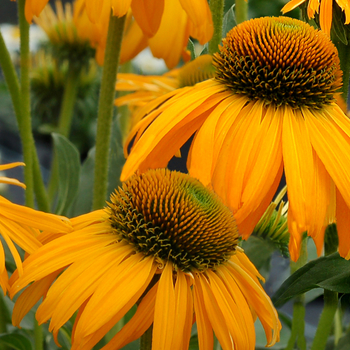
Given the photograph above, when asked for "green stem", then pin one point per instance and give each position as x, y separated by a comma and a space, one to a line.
326, 320
344, 54
297, 334
64, 121
3, 319
39, 187
68, 101
241, 11
330, 298
338, 327
146, 339
217, 12
38, 336
10, 77
298, 325
105, 109
25, 125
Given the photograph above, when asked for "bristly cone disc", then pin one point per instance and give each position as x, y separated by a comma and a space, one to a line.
172, 216
279, 60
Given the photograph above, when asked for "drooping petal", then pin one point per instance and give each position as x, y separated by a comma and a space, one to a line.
326, 16
215, 315
201, 23
164, 137
164, 313
138, 324
148, 14
31, 296
209, 138
298, 166
291, 5
168, 43
113, 295
343, 226
182, 318
332, 146
205, 330
61, 306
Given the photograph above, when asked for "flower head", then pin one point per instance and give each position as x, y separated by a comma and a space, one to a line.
70, 33
270, 109
21, 225
169, 244
322, 8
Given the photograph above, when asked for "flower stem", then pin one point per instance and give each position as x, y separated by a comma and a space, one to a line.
42, 199
326, 320
217, 10
38, 336
24, 124
241, 11
146, 339
105, 109
64, 120
298, 325
10, 77
330, 299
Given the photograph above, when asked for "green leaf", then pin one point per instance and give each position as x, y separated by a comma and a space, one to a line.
259, 252
190, 47
330, 272
229, 21
116, 158
15, 341
68, 171
344, 342
83, 201
338, 27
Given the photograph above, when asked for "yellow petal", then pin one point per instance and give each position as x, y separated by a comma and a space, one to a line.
138, 324
326, 16
204, 328
26, 301
215, 314
343, 226
148, 14
332, 146
182, 318
120, 289
134, 41
164, 314
291, 5
209, 138
168, 43
77, 284
298, 166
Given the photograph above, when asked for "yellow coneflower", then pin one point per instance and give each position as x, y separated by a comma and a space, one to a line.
21, 225
71, 34
269, 109
191, 19
322, 7
153, 24
146, 88
169, 244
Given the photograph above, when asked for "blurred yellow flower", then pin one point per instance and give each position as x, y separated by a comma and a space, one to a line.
270, 109
71, 33
169, 244
152, 25
323, 8
146, 88
21, 225
190, 18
